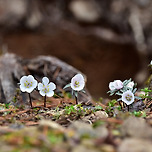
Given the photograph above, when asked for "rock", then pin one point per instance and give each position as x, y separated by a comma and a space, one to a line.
136, 127
100, 115
86, 130
11, 71
82, 129
57, 71
51, 125
12, 12
16, 126
95, 116
138, 106
35, 17
13, 67
81, 148
87, 11
102, 132
107, 148
135, 145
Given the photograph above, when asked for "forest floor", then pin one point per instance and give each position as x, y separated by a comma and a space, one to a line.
62, 126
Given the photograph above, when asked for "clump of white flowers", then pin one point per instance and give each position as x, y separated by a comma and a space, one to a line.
126, 90
28, 84
77, 84
46, 89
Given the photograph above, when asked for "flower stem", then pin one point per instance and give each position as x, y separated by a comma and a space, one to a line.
76, 99
30, 100
124, 105
120, 104
45, 101
128, 107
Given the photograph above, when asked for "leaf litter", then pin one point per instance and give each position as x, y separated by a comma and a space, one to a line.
62, 126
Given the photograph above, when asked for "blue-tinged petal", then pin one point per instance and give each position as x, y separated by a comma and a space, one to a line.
45, 80
40, 86
52, 86
42, 93
50, 93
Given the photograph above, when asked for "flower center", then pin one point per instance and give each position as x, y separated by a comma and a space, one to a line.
46, 90
28, 84
76, 84
128, 97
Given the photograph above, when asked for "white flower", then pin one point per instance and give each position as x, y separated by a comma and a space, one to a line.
151, 63
111, 86
45, 88
27, 83
130, 84
128, 97
77, 82
118, 84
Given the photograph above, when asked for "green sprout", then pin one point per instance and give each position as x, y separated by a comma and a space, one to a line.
146, 95
70, 109
139, 113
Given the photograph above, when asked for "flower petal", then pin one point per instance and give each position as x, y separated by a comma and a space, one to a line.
111, 86
40, 86
78, 88
22, 88
52, 86
30, 78
23, 79
77, 77
118, 84
42, 93
50, 93
29, 90
34, 85
77, 82
130, 84
45, 80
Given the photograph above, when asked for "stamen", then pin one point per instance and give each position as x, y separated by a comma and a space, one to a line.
76, 84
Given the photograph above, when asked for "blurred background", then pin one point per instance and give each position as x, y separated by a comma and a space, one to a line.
105, 39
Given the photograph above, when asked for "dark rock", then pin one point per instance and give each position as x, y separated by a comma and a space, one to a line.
136, 106
13, 68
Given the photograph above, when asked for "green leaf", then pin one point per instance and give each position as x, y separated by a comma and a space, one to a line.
134, 90
72, 92
138, 98
76, 93
67, 86
120, 94
83, 91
